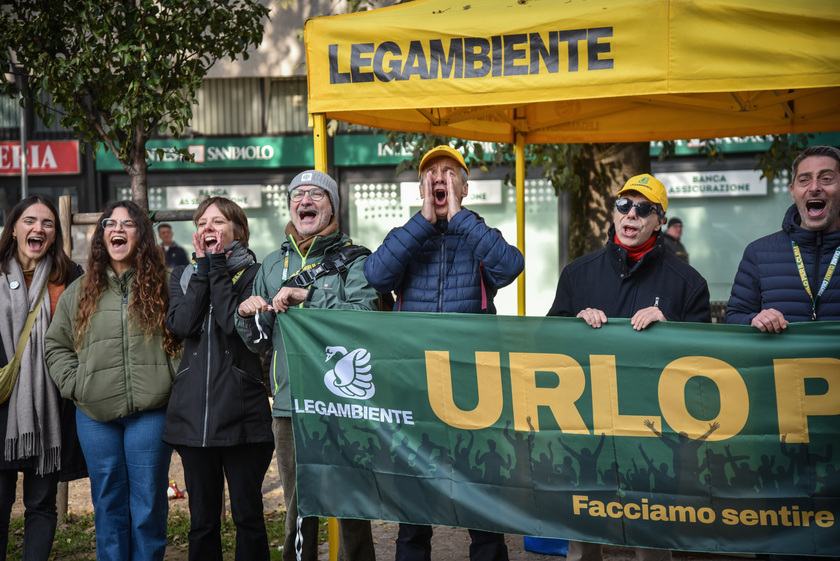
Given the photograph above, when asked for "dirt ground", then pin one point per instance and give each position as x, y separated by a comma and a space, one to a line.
448, 544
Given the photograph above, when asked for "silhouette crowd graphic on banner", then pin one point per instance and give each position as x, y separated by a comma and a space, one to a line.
686, 467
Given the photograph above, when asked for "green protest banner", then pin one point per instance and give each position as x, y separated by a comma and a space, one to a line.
683, 436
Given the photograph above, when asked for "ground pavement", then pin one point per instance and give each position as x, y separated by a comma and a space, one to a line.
448, 544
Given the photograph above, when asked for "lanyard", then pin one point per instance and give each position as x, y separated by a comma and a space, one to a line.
286, 261
800, 265
285, 266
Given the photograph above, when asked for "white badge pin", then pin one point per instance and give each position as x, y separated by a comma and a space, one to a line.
14, 285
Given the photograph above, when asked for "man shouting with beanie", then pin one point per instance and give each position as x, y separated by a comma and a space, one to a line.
292, 276
635, 277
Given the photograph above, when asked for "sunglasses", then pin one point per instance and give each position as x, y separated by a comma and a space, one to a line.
643, 210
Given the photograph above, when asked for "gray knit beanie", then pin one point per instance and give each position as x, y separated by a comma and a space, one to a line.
316, 179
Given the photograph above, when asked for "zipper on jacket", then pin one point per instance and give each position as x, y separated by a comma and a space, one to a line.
126, 355
442, 270
207, 376
815, 284
484, 300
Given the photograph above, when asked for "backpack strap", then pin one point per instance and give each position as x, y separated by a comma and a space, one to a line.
336, 260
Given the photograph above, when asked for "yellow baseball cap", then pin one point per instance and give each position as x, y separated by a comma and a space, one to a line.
647, 185
442, 151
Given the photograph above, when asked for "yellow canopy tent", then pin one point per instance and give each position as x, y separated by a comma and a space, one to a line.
541, 71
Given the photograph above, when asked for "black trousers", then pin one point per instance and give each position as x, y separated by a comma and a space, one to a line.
414, 543
40, 515
205, 471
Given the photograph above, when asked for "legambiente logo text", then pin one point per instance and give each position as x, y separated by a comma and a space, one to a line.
350, 375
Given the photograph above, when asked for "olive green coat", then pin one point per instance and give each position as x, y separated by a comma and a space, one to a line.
119, 370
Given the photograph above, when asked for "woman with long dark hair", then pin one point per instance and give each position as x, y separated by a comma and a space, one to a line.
38, 427
109, 351
219, 417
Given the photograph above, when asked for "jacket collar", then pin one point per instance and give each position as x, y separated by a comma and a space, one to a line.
120, 283
803, 237
319, 245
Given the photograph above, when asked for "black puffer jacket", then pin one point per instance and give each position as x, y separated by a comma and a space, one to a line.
769, 278
602, 280
218, 397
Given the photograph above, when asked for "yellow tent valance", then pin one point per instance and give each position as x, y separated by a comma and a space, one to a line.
581, 71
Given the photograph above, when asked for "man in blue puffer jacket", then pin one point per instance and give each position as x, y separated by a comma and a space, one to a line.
445, 259
788, 276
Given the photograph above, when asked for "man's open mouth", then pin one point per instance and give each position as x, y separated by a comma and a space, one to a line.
440, 196
629, 229
815, 206
307, 213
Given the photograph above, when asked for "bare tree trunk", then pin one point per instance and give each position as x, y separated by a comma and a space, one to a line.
139, 191
604, 168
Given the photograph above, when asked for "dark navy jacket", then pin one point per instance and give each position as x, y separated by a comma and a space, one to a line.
175, 256
602, 280
454, 267
769, 278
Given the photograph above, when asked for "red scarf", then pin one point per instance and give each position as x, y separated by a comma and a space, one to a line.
635, 253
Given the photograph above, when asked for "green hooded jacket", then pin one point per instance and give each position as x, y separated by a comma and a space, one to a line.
328, 291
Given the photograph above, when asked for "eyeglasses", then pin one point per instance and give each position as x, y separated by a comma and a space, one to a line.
316, 194
111, 224
643, 210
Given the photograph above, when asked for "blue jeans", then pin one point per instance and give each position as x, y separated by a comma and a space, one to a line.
129, 468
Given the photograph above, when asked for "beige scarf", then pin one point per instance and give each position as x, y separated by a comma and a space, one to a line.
33, 427
303, 242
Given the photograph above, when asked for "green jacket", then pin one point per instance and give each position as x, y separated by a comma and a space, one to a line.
118, 370
329, 291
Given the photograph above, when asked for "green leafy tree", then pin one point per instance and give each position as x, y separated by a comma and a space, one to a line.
117, 73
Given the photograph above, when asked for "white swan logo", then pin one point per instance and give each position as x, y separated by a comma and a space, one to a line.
350, 377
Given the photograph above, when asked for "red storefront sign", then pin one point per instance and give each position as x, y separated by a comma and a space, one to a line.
43, 157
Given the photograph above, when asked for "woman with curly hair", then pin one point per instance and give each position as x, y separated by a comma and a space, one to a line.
219, 417
38, 426
109, 351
